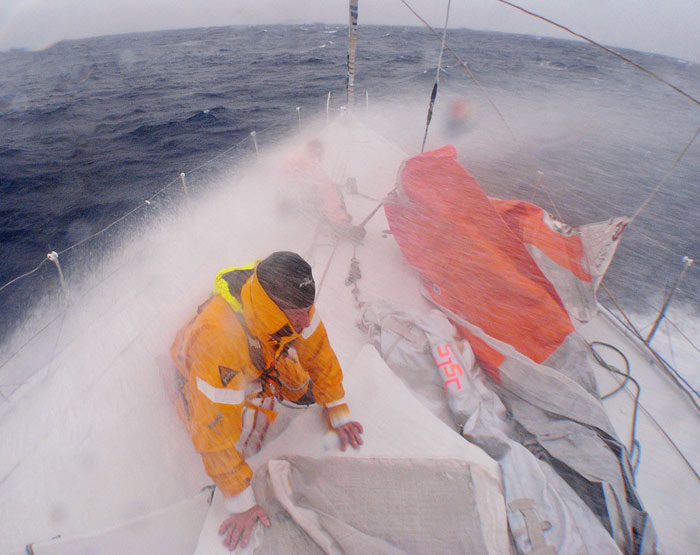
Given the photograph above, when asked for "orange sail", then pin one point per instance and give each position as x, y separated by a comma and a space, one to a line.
476, 257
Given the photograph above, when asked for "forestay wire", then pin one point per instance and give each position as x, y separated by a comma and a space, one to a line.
443, 46
469, 72
433, 94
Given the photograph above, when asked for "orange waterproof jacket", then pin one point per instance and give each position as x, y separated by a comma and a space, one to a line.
224, 389
306, 170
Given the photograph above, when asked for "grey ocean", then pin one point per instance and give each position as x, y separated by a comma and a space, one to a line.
91, 128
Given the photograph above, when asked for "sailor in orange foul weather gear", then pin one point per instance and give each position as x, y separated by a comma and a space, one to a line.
256, 341
304, 173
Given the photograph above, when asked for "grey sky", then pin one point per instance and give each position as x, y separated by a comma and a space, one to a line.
670, 27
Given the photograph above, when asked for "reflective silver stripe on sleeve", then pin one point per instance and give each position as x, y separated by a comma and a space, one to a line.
315, 321
336, 403
247, 421
219, 394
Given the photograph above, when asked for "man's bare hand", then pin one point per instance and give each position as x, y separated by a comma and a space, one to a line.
350, 433
240, 526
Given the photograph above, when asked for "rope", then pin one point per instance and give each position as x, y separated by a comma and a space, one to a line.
634, 444
637, 405
433, 94
608, 50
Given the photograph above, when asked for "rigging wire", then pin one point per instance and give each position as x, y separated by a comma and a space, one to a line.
469, 72
483, 91
471, 75
608, 50
664, 365
639, 67
433, 94
637, 406
665, 177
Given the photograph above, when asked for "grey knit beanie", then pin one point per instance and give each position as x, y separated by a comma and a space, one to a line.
286, 278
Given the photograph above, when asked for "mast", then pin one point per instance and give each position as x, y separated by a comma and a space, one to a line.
352, 41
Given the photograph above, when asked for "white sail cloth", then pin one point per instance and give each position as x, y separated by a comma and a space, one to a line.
399, 434
543, 509
357, 506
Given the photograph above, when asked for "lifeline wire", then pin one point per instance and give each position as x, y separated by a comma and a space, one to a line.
637, 404
152, 197
30, 272
664, 365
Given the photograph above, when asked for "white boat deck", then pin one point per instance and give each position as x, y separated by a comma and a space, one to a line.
110, 372
668, 426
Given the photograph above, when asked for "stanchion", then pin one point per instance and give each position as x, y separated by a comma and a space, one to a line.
184, 185
53, 257
255, 142
328, 106
687, 263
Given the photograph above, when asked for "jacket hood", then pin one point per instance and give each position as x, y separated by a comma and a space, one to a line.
264, 318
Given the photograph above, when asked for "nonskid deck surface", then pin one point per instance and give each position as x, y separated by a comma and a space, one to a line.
664, 480
667, 426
